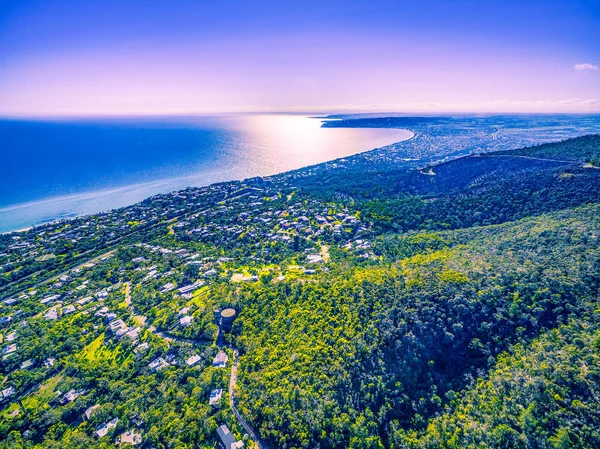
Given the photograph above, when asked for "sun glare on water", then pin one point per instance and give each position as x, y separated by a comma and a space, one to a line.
296, 141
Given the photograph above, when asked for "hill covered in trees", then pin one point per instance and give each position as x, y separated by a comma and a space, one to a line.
450, 305
373, 351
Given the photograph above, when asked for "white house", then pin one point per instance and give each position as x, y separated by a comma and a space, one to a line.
90, 410
131, 437
186, 321
220, 360
103, 429
158, 364
215, 396
193, 360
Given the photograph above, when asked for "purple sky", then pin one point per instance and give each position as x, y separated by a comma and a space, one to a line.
129, 56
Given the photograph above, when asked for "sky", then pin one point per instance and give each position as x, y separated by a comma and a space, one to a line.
90, 57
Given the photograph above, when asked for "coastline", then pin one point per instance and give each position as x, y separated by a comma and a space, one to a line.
424, 140
68, 203
19, 230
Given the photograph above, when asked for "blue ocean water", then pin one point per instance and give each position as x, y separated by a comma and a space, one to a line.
54, 169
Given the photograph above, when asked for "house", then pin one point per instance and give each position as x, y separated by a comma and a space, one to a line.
102, 312
184, 311
27, 364
49, 362
227, 440
10, 349
103, 429
167, 287
134, 334
51, 314
211, 272
90, 410
220, 360
186, 321
314, 258
141, 348
116, 325
85, 300
48, 299
8, 392
191, 287
193, 360
102, 294
150, 275
71, 395
157, 364
131, 437
136, 420
12, 336
68, 309
215, 396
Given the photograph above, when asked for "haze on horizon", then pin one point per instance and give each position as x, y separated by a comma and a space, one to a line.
62, 57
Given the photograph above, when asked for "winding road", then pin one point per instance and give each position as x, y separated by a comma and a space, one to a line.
240, 419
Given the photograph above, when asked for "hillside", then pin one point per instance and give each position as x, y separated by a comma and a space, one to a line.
444, 305
542, 394
373, 349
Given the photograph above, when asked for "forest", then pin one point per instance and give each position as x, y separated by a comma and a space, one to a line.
371, 356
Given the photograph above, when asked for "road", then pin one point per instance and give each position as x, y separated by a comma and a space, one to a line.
56, 276
240, 419
562, 161
128, 294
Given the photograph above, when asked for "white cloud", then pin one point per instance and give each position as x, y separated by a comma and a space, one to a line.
586, 66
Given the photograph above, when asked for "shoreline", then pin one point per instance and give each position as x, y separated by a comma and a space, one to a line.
98, 194
445, 142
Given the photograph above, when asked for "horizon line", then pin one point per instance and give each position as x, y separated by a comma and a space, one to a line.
312, 114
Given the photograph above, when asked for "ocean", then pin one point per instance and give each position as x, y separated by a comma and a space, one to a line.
63, 168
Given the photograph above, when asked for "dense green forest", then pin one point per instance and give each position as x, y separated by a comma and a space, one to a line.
453, 305
352, 360
541, 394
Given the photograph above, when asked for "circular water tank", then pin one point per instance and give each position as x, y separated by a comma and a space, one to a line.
227, 316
